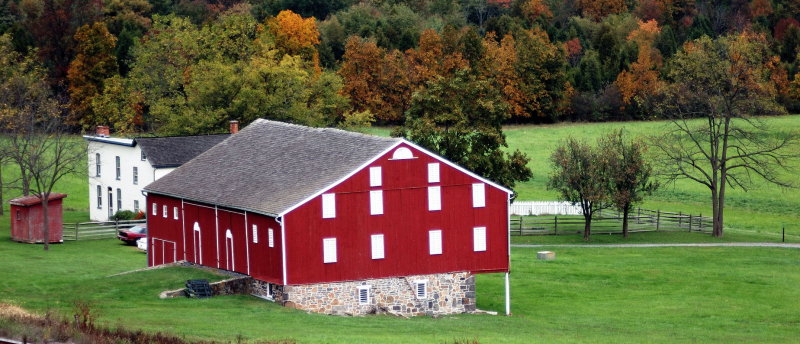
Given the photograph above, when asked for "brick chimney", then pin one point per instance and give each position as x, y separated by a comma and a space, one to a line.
234, 127
103, 131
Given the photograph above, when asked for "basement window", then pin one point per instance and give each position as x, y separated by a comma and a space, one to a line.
478, 195
329, 250
433, 172
328, 206
376, 202
421, 289
364, 295
479, 239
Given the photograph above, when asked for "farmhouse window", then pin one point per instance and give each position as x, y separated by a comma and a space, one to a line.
175, 213
136, 205
97, 164
435, 241
119, 169
375, 178
376, 202
135, 175
433, 172
271, 237
363, 295
99, 197
377, 246
478, 195
328, 206
434, 198
119, 199
421, 289
329, 250
479, 239
164, 211
255, 234
144, 156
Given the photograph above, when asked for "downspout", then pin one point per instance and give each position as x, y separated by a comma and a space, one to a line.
508, 234
216, 229
247, 242
183, 229
279, 220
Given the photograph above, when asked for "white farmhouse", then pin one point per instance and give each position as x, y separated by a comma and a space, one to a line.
120, 167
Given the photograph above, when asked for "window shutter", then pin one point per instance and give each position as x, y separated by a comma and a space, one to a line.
433, 172
376, 202
255, 234
478, 195
363, 295
435, 241
421, 289
329, 250
271, 237
377, 246
434, 198
479, 239
328, 206
375, 178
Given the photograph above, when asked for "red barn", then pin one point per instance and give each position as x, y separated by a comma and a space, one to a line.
332, 221
27, 218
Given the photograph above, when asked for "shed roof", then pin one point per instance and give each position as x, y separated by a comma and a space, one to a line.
269, 166
27, 201
173, 151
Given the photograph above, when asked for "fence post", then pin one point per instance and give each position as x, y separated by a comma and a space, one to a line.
520, 226
680, 219
555, 227
658, 220
701, 222
690, 222
77, 224
639, 216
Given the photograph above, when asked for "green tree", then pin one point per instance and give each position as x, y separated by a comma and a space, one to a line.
629, 173
579, 174
726, 84
94, 62
460, 118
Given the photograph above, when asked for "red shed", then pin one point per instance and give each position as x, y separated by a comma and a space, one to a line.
27, 218
332, 221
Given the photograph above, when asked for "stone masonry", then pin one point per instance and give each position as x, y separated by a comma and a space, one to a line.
447, 293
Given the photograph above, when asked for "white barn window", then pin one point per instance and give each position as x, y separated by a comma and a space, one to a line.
377, 246
435, 241
434, 198
155, 209
255, 234
271, 237
402, 153
376, 202
479, 239
329, 250
375, 177
364, 295
175, 213
433, 172
478, 195
164, 211
421, 289
328, 206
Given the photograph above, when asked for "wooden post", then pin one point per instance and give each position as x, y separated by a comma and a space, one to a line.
658, 220
508, 296
680, 219
555, 228
783, 234
701, 222
520, 226
77, 224
690, 222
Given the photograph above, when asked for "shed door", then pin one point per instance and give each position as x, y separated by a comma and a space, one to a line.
163, 252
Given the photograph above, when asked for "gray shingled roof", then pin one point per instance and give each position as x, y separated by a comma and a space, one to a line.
177, 150
270, 166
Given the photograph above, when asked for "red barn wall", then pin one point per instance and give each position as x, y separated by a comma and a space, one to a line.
29, 226
405, 224
209, 244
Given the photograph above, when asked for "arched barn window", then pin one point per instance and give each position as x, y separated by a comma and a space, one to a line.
402, 153
198, 245
230, 264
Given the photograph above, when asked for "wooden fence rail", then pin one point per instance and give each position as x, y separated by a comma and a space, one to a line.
96, 230
610, 222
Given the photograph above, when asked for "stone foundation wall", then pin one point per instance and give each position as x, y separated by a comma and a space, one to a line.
447, 293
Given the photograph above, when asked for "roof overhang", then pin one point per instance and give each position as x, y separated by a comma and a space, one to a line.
111, 140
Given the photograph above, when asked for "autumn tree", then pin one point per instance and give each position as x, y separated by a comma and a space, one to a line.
723, 82
460, 118
429, 61
628, 171
93, 64
599, 9
579, 174
295, 35
641, 80
541, 67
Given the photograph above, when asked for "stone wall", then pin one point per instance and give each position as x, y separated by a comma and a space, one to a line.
447, 293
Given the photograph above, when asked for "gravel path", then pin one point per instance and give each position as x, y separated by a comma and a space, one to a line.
730, 244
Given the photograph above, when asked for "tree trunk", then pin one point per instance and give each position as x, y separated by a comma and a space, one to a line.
2, 204
625, 210
587, 226
46, 218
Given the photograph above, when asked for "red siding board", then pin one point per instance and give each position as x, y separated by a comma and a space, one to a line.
405, 224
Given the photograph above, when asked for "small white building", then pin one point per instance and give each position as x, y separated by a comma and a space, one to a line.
120, 167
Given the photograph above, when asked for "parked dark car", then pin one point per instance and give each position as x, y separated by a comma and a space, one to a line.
130, 235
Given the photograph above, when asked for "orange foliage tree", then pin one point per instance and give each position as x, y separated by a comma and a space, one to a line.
533, 9
599, 9
641, 79
295, 35
93, 64
429, 61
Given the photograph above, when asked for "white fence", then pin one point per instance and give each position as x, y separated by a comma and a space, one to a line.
544, 208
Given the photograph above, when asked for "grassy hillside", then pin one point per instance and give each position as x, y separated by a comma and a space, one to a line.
597, 295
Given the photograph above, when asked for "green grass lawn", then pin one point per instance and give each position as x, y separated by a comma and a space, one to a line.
598, 295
